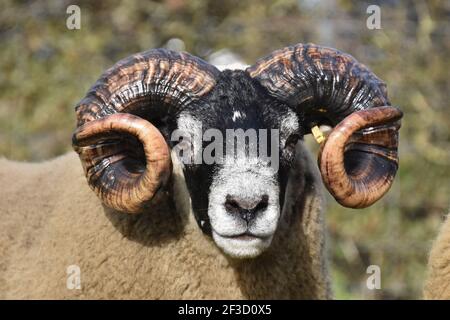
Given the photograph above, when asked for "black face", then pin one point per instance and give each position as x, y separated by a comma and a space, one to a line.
238, 102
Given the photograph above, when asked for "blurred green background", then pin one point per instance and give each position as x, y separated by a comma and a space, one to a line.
45, 68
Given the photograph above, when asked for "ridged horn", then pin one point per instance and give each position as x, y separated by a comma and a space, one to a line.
125, 157
359, 159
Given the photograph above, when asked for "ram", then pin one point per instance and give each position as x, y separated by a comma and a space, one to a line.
160, 223
437, 285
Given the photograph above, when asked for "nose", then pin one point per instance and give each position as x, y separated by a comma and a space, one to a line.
246, 209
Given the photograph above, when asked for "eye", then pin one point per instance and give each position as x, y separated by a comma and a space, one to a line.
292, 141
184, 149
184, 144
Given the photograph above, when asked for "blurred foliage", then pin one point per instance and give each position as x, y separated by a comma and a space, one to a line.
46, 68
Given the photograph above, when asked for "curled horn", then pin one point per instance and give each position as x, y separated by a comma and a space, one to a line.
125, 158
358, 160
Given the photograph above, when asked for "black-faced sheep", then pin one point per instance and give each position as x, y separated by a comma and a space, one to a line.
249, 225
437, 285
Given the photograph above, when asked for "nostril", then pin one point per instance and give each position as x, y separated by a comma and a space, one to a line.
232, 205
262, 205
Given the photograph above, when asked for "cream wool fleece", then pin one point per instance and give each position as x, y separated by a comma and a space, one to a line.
50, 220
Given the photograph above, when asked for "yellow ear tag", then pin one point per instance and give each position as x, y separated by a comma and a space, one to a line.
318, 135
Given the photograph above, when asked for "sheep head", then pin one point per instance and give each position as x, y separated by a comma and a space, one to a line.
127, 121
